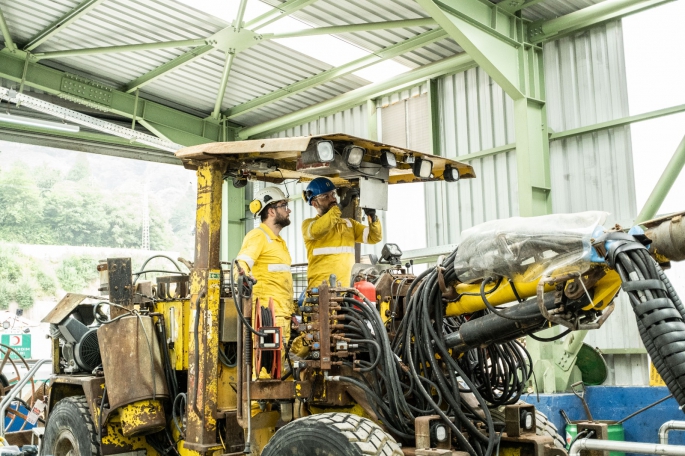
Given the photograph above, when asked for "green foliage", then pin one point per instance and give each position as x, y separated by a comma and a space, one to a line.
6, 294
10, 268
80, 170
45, 281
76, 272
24, 293
21, 203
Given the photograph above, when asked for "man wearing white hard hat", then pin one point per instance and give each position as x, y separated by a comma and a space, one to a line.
265, 256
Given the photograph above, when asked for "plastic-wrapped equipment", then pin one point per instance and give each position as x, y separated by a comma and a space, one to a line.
526, 248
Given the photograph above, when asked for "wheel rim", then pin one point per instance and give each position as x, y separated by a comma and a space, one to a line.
65, 445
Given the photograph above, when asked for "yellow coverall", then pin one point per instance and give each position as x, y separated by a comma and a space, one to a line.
266, 257
330, 240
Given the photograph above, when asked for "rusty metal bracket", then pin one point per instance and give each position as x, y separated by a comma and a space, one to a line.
574, 326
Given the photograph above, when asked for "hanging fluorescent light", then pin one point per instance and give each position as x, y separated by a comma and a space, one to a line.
28, 121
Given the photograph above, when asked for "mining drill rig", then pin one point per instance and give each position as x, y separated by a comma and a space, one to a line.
412, 367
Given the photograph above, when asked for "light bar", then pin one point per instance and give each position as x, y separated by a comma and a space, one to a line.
28, 121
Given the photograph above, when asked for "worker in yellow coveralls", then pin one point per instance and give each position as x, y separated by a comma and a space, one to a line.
329, 238
265, 256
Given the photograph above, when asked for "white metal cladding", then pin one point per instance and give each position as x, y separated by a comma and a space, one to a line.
586, 84
585, 81
475, 114
353, 121
627, 369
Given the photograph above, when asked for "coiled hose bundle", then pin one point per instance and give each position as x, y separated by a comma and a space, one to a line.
659, 312
415, 374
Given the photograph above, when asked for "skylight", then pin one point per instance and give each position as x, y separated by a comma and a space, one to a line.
326, 48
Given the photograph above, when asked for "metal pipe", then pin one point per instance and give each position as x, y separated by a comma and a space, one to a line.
16, 389
589, 16
668, 426
626, 447
6, 34
351, 28
241, 13
279, 12
124, 48
62, 23
222, 86
663, 186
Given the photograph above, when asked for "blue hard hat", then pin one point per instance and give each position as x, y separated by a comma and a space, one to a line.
317, 187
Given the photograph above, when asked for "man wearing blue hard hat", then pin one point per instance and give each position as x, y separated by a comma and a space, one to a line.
330, 238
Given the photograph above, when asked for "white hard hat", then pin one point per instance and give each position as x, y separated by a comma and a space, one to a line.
264, 197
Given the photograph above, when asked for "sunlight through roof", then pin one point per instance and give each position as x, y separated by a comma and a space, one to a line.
326, 48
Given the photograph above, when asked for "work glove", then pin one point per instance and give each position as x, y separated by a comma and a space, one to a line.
371, 214
350, 194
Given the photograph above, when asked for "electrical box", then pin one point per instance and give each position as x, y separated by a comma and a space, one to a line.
373, 194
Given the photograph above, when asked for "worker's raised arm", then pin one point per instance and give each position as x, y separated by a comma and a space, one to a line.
371, 234
313, 229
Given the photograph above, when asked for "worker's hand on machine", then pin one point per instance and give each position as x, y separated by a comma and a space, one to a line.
371, 214
350, 194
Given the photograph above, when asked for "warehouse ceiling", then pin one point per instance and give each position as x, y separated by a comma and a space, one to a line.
188, 77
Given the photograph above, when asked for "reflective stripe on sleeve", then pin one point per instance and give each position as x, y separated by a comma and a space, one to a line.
332, 250
365, 235
246, 259
279, 268
349, 224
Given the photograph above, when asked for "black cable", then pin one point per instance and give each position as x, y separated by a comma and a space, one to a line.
550, 339
490, 307
237, 296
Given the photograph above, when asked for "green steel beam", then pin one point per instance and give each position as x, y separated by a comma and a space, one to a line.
96, 143
329, 75
663, 186
232, 220
435, 116
279, 12
512, 6
216, 113
161, 70
9, 44
238, 23
487, 152
351, 28
485, 33
496, 41
230, 56
372, 113
458, 63
62, 23
125, 48
532, 158
587, 17
618, 122
191, 129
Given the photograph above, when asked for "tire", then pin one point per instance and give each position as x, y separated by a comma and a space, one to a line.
543, 425
332, 434
70, 430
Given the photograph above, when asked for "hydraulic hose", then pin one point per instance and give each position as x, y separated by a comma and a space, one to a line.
659, 312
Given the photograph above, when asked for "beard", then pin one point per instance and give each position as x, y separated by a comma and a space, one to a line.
331, 205
282, 221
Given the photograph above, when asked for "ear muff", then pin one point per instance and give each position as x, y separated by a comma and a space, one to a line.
255, 206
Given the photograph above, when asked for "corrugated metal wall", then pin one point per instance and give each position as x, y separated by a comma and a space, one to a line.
353, 121
475, 115
586, 84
